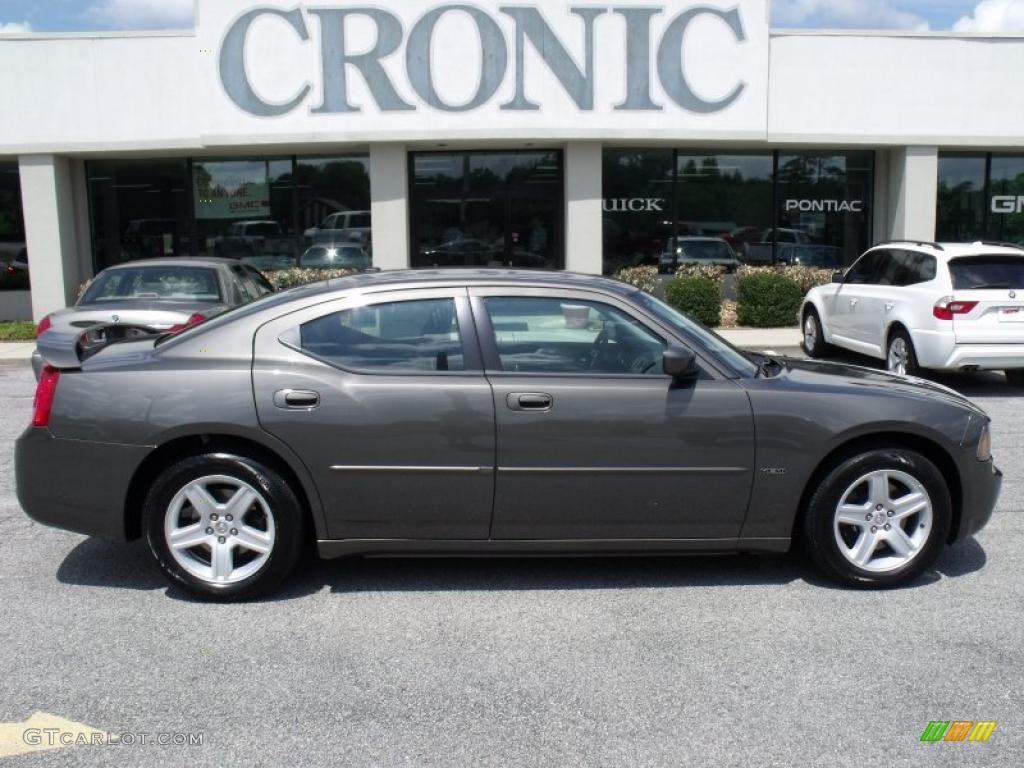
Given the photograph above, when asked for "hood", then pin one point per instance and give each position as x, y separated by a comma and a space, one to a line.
158, 315
854, 378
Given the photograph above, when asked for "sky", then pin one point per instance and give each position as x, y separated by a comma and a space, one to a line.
980, 16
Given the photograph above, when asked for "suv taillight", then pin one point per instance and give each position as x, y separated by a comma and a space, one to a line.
43, 327
947, 307
196, 319
45, 391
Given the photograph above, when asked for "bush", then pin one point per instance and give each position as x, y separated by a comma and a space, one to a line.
805, 277
709, 271
17, 331
644, 278
284, 279
768, 300
698, 297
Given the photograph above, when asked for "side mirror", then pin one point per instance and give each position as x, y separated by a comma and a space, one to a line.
838, 276
680, 363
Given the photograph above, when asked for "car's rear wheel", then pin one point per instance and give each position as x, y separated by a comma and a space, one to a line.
814, 337
879, 518
222, 526
1016, 377
901, 358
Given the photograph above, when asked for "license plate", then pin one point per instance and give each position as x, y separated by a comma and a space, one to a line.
1011, 315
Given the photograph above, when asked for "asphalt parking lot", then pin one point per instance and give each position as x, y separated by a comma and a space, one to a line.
745, 661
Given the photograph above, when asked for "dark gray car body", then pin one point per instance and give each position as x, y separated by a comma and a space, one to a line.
440, 462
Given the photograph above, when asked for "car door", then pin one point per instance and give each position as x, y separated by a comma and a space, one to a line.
842, 308
594, 441
384, 399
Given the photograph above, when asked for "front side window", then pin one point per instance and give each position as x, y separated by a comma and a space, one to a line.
395, 337
568, 336
187, 284
864, 271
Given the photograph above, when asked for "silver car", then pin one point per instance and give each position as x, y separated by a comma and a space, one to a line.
151, 296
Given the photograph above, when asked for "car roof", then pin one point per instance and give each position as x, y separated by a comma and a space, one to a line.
178, 261
947, 251
694, 239
420, 278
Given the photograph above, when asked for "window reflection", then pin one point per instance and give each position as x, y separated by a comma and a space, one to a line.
13, 251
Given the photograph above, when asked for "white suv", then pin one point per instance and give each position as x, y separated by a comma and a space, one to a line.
925, 306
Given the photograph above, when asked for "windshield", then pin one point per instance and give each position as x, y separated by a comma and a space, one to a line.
712, 342
704, 249
170, 283
987, 272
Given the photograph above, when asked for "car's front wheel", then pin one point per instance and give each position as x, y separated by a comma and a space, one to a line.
1016, 377
879, 518
222, 526
814, 337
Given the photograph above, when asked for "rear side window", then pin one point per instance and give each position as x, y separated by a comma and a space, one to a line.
903, 268
396, 337
981, 272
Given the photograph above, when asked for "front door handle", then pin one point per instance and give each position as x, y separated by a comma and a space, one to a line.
889, 307
529, 401
296, 399
854, 302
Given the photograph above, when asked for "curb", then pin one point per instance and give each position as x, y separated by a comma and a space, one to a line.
16, 350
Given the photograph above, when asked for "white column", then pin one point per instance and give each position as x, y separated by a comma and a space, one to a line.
47, 193
584, 239
389, 205
913, 193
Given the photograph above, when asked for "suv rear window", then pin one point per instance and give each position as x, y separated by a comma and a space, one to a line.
980, 272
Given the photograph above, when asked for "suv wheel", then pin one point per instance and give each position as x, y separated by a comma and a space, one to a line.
879, 518
900, 355
223, 527
814, 338
1016, 377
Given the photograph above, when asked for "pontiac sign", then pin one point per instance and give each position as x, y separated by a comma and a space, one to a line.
618, 59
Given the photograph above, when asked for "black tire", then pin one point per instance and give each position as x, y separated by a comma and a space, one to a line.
912, 366
1016, 377
284, 507
813, 343
819, 517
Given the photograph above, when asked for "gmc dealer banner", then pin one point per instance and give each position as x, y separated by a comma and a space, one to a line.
424, 69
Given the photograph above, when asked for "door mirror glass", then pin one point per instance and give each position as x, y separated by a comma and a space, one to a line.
680, 363
838, 276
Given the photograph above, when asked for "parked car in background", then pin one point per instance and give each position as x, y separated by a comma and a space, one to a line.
490, 412
154, 296
262, 244
815, 256
782, 235
153, 239
922, 306
698, 251
343, 256
341, 227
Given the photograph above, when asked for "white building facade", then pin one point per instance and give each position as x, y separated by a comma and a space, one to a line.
537, 135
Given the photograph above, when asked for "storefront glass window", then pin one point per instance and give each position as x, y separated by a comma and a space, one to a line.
334, 208
961, 199
824, 207
478, 209
140, 210
1006, 199
639, 189
13, 252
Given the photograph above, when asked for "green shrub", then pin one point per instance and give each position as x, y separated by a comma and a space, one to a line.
698, 297
644, 278
17, 331
710, 271
768, 300
805, 277
284, 279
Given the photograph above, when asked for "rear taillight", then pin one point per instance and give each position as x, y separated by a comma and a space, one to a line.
43, 327
196, 319
45, 391
946, 308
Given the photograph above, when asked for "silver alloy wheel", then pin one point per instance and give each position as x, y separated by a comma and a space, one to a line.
899, 356
883, 520
810, 332
219, 529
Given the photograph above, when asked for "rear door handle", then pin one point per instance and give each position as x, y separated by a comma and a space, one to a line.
296, 399
529, 401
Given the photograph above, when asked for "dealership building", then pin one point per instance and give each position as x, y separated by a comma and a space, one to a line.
540, 135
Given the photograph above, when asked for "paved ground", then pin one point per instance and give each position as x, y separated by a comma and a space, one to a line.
714, 661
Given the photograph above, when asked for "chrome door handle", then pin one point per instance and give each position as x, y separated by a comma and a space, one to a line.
296, 399
854, 302
529, 401
889, 307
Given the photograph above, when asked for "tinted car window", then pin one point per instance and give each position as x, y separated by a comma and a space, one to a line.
704, 250
864, 270
359, 221
263, 286
987, 272
402, 336
554, 335
189, 284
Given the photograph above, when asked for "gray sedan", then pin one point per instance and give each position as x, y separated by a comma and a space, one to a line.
150, 296
490, 412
